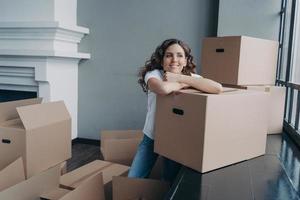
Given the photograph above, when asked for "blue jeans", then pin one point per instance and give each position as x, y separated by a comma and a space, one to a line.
145, 159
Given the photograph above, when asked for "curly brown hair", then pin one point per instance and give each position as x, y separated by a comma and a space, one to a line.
155, 62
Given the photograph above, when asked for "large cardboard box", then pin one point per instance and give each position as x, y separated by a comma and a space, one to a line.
12, 174
34, 187
39, 133
74, 178
239, 60
275, 106
89, 189
120, 146
209, 131
134, 188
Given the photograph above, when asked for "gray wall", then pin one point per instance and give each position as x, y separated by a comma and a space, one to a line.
256, 18
123, 34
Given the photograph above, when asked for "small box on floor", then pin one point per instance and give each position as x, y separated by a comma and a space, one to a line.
209, 131
89, 189
120, 146
74, 178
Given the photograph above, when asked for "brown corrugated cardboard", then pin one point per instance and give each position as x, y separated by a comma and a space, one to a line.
120, 146
89, 189
8, 109
34, 187
211, 130
239, 60
12, 174
275, 106
33, 135
74, 178
133, 188
63, 168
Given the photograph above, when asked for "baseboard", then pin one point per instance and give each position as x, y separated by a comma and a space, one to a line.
86, 141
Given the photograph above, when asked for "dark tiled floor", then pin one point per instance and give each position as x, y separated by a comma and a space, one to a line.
274, 176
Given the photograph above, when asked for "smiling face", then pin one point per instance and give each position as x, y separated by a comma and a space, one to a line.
174, 59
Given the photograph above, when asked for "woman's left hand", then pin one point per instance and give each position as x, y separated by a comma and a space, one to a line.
171, 77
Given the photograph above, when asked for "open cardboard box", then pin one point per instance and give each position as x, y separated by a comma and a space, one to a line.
74, 178
133, 188
39, 133
120, 146
12, 174
34, 187
211, 130
239, 60
89, 189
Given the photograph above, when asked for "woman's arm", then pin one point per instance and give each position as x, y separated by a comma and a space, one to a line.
163, 87
199, 83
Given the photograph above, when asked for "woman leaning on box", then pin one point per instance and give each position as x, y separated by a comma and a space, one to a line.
170, 69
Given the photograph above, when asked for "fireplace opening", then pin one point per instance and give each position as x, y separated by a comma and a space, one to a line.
13, 95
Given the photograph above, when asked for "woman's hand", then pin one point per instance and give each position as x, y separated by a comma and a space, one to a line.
171, 77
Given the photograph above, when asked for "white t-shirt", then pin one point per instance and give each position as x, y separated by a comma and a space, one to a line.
149, 123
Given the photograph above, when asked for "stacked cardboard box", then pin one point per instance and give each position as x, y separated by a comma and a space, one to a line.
218, 130
211, 130
30, 130
249, 63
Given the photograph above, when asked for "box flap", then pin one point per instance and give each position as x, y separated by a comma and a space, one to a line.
134, 188
72, 178
34, 187
8, 109
39, 115
90, 189
55, 194
12, 174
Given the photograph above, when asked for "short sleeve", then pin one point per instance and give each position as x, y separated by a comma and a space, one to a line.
153, 74
196, 75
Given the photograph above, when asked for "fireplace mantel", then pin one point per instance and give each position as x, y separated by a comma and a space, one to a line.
39, 51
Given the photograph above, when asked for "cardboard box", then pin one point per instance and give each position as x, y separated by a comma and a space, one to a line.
209, 131
89, 189
134, 188
39, 133
34, 187
275, 106
120, 146
63, 168
74, 178
239, 60
12, 174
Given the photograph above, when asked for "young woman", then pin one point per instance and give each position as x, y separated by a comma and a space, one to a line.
170, 69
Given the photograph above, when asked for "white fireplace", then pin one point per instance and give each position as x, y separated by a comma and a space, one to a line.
39, 50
